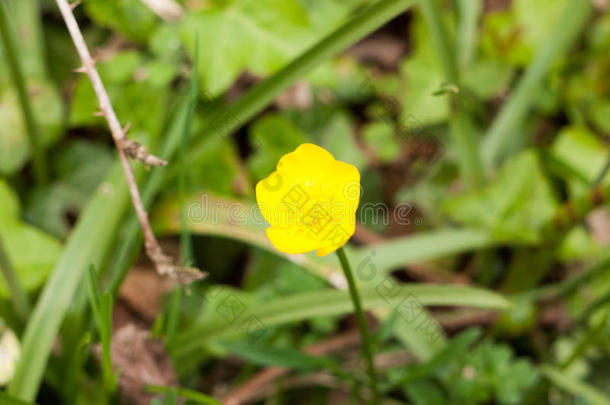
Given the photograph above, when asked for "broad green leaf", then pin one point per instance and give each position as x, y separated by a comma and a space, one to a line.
424, 392
489, 371
535, 20
514, 206
6, 399
138, 94
422, 77
80, 166
582, 152
273, 136
239, 34
338, 138
21, 240
130, 17
217, 170
379, 136
14, 142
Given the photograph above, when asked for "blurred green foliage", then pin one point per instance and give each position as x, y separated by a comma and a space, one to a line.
391, 118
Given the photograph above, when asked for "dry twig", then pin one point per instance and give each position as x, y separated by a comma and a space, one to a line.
165, 264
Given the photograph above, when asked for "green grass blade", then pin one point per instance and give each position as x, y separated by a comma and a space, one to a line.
468, 29
424, 246
18, 295
504, 129
388, 255
463, 136
574, 386
304, 306
186, 246
6, 399
269, 356
87, 245
261, 95
32, 127
102, 305
184, 393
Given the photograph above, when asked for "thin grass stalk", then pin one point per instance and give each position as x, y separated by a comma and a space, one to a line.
260, 96
18, 295
462, 131
504, 130
32, 129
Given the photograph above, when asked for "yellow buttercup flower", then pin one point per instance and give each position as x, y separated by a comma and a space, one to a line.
310, 201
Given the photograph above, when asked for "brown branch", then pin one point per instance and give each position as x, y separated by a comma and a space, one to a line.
165, 264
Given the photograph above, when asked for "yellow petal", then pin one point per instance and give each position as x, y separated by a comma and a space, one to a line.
310, 201
289, 242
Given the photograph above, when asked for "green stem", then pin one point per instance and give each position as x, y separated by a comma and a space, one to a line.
18, 294
503, 131
583, 345
440, 38
33, 130
462, 131
603, 173
567, 287
366, 339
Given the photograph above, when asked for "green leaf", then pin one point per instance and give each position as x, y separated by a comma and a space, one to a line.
14, 142
138, 95
490, 371
239, 34
583, 153
424, 393
423, 76
87, 245
184, 393
130, 17
80, 167
275, 136
282, 357
514, 206
304, 306
6, 399
503, 134
379, 136
20, 240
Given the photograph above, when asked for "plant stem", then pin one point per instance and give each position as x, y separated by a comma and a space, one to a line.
366, 339
462, 131
583, 345
32, 128
18, 294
